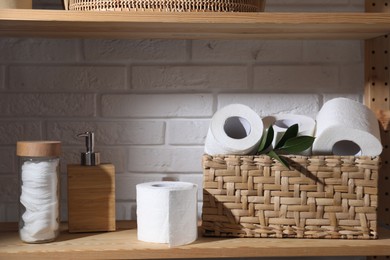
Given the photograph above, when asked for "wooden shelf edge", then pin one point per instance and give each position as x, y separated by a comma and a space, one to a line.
70, 24
123, 243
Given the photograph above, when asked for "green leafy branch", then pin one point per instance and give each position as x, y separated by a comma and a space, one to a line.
290, 143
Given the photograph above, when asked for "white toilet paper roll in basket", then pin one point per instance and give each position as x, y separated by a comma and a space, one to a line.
234, 129
306, 125
347, 127
167, 212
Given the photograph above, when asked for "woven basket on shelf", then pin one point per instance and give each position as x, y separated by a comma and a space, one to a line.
321, 197
167, 5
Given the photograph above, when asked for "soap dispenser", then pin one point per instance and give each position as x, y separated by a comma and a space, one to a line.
91, 192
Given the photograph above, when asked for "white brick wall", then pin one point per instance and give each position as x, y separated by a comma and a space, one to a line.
150, 101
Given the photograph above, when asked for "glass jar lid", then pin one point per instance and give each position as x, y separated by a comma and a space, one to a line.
38, 148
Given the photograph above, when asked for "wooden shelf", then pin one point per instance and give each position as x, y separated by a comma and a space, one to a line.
123, 243
69, 24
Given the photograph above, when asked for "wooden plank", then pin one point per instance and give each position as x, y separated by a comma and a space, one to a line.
377, 94
91, 197
123, 243
59, 23
377, 97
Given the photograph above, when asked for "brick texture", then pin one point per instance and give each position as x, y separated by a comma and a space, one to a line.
173, 105
67, 78
38, 50
189, 77
150, 102
44, 104
137, 50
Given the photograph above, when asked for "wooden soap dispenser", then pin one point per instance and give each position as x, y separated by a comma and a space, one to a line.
91, 192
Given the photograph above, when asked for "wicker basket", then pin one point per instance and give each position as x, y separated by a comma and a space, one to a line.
167, 5
323, 197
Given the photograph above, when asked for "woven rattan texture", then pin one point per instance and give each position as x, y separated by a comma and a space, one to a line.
169, 5
321, 197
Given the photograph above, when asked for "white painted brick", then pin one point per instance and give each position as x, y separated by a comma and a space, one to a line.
34, 49
44, 104
109, 132
352, 78
67, 78
309, 2
353, 96
63, 187
11, 212
160, 159
295, 78
24, 69
48, 4
135, 50
117, 156
13, 131
64, 211
314, 6
155, 105
126, 183
332, 51
189, 77
70, 156
2, 212
2, 77
8, 162
9, 187
269, 104
247, 51
126, 210
187, 132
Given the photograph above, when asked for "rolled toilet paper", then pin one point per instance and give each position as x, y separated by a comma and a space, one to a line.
347, 127
306, 125
234, 129
167, 212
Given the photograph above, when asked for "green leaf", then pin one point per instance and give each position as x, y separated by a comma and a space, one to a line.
266, 141
274, 155
291, 132
297, 144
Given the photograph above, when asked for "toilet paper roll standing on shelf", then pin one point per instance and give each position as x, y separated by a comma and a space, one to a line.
234, 129
167, 212
347, 127
306, 125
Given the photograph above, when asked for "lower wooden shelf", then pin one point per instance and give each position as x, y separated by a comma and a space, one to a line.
123, 243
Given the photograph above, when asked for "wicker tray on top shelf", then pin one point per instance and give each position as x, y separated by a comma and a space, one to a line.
319, 197
167, 5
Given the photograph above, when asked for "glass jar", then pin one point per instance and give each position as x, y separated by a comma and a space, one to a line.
39, 190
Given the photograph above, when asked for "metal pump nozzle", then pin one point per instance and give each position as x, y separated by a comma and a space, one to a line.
90, 157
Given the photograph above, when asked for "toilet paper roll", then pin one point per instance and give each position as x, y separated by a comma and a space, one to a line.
306, 125
347, 127
167, 212
234, 129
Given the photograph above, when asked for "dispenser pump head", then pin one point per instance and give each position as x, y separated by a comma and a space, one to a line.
90, 157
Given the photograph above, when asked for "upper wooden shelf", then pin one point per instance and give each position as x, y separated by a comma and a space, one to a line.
152, 25
123, 244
